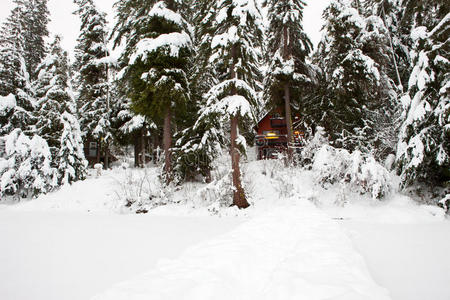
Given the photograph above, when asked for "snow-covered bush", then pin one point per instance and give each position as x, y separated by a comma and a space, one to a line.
143, 189
312, 146
220, 189
445, 203
359, 172
25, 170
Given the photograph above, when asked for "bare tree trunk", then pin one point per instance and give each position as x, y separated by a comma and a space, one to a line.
106, 156
142, 156
167, 140
137, 150
287, 98
239, 198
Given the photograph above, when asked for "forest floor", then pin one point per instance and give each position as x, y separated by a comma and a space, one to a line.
79, 243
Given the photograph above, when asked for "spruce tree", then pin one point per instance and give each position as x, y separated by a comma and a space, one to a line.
35, 20
14, 78
203, 139
93, 85
155, 62
361, 99
53, 95
423, 154
71, 161
235, 41
288, 47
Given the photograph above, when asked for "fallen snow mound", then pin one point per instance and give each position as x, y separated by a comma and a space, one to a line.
292, 252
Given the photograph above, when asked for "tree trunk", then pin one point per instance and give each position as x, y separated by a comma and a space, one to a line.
287, 98
239, 198
288, 117
106, 167
99, 149
137, 150
167, 141
142, 156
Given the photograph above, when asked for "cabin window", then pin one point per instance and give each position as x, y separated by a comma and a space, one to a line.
276, 116
93, 148
275, 132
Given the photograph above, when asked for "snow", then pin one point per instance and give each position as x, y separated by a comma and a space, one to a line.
160, 10
293, 242
234, 105
173, 41
282, 254
7, 103
53, 255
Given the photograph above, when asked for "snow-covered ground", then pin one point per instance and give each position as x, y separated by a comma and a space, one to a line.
78, 243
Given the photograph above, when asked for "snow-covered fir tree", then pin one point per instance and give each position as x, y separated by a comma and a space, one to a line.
35, 19
235, 41
71, 161
53, 95
14, 78
354, 55
92, 65
199, 144
423, 154
288, 47
393, 14
155, 61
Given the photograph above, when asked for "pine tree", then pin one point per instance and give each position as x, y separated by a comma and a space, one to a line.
156, 61
71, 161
14, 78
53, 95
288, 46
93, 84
354, 55
235, 41
423, 154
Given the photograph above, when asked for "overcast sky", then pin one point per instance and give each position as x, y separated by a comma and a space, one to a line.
67, 25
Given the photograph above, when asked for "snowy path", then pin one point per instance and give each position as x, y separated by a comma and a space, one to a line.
291, 252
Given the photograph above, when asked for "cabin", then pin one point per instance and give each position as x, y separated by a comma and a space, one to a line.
94, 154
271, 138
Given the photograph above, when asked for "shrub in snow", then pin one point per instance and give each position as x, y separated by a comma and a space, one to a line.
98, 168
143, 189
312, 146
219, 190
445, 203
25, 170
359, 172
